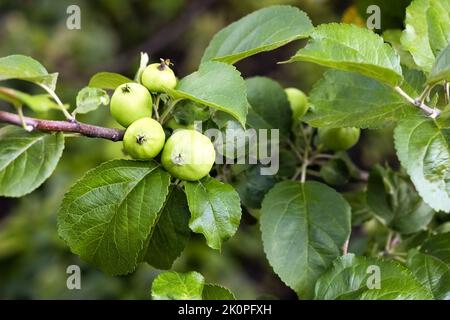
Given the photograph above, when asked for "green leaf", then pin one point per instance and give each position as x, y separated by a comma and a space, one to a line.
108, 80
303, 229
89, 99
216, 85
354, 278
252, 186
262, 30
27, 159
25, 68
37, 103
108, 214
360, 210
346, 99
171, 232
432, 273
172, 285
441, 67
269, 104
396, 203
216, 292
351, 48
215, 210
438, 246
422, 146
335, 172
426, 24
393, 37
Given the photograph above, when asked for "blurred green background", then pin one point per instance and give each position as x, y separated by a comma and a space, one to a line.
33, 260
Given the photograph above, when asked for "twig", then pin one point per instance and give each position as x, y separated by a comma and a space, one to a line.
432, 112
58, 102
345, 246
84, 129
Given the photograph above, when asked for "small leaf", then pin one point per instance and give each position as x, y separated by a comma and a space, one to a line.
356, 278
26, 159
263, 30
108, 80
432, 273
346, 99
438, 246
216, 292
360, 210
25, 68
351, 48
396, 203
172, 285
108, 214
303, 229
269, 104
171, 232
422, 146
216, 85
142, 65
89, 99
441, 67
215, 210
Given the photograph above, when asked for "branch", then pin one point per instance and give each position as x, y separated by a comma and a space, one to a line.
84, 129
432, 112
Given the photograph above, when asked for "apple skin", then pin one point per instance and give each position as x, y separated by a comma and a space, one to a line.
130, 102
188, 155
144, 139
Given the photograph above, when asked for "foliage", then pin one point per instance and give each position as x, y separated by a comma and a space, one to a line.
125, 213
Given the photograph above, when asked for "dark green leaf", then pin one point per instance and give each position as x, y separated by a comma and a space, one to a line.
216, 292
303, 229
438, 246
171, 232
395, 202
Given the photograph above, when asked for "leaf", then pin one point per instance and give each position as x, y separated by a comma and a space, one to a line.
351, 277
263, 30
351, 48
108, 80
438, 246
252, 186
172, 285
25, 68
441, 67
396, 203
269, 103
303, 229
142, 65
422, 146
216, 292
171, 232
360, 210
432, 273
215, 210
89, 99
107, 215
37, 103
393, 37
425, 23
27, 159
346, 99
217, 85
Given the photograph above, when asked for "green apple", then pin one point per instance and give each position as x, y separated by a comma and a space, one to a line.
144, 139
159, 77
298, 102
338, 139
188, 155
130, 102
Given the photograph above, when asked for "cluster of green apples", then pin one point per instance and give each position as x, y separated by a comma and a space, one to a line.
187, 154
